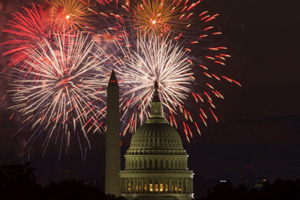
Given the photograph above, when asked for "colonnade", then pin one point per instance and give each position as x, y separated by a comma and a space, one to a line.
148, 163
146, 142
154, 185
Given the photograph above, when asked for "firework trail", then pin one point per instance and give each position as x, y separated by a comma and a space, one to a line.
58, 82
195, 29
43, 21
155, 58
109, 22
72, 14
26, 29
161, 16
152, 59
63, 89
173, 42
185, 22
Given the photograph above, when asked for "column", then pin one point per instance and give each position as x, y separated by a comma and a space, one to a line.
147, 185
153, 185
181, 185
128, 187
192, 185
140, 185
134, 184
159, 185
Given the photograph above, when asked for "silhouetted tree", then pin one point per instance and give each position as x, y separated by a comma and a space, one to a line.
222, 191
18, 182
279, 190
73, 189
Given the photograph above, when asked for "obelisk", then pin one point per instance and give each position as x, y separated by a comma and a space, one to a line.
112, 153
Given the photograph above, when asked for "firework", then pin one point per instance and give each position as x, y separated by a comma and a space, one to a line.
161, 16
153, 59
72, 13
186, 23
28, 28
175, 43
108, 18
188, 97
195, 29
63, 89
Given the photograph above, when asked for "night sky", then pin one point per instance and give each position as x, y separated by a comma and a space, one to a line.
259, 122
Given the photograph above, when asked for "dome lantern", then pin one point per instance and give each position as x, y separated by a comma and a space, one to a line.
156, 114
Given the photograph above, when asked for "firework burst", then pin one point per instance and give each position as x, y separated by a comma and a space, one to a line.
60, 75
187, 96
72, 13
26, 29
161, 16
195, 29
64, 88
153, 59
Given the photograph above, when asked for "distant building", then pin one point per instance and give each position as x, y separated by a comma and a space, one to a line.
254, 182
223, 181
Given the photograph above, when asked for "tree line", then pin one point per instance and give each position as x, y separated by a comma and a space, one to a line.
19, 182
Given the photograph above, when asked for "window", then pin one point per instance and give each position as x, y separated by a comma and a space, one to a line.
161, 187
129, 186
151, 187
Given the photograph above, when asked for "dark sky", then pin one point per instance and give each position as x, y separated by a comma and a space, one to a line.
259, 122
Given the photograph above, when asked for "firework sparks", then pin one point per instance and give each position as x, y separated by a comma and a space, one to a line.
186, 23
28, 28
161, 16
154, 59
72, 13
58, 88
64, 88
188, 97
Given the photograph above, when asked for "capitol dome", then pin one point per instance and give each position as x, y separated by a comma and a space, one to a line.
156, 165
156, 136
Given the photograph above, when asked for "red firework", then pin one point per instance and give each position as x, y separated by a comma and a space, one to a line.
27, 29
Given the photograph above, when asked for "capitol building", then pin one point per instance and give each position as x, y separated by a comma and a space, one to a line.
156, 164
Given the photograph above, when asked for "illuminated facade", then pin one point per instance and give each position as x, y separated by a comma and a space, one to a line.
156, 164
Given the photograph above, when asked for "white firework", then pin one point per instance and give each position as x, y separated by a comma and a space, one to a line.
61, 87
153, 59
